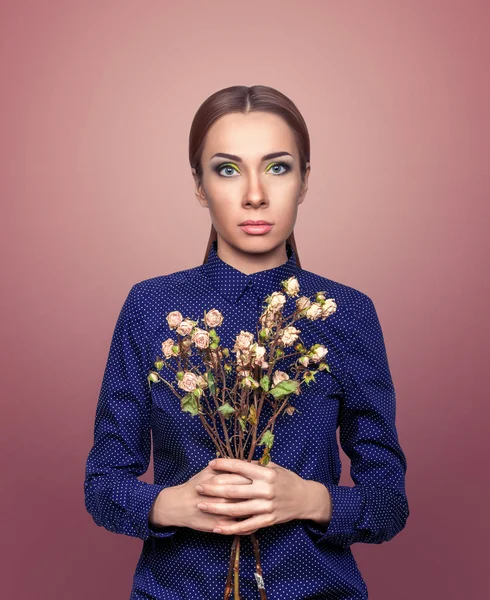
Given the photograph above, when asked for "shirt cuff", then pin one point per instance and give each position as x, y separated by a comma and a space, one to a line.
346, 511
144, 497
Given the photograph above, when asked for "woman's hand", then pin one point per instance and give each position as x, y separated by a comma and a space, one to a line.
177, 505
274, 495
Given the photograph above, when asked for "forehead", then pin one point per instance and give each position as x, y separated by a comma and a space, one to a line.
249, 135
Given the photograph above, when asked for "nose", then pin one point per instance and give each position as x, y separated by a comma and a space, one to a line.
255, 193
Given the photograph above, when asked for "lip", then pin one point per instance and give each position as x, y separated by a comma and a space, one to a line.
250, 222
256, 229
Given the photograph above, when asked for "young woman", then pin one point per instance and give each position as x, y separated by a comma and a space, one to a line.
250, 157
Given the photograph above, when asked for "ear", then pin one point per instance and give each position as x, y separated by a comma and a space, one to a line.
304, 186
200, 193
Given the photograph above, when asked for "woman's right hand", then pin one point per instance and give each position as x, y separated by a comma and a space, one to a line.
184, 500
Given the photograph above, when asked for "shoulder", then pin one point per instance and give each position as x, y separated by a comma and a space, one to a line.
352, 301
155, 293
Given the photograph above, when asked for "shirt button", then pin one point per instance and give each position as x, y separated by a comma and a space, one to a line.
249, 284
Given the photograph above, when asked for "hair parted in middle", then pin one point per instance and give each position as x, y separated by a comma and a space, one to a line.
244, 99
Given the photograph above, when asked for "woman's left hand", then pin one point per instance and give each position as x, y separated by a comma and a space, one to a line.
275, 495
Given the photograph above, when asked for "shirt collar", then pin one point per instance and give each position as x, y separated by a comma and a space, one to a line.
231, 282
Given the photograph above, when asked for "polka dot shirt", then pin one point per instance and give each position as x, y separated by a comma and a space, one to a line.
301, 559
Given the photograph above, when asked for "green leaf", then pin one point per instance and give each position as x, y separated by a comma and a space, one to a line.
189, 403
252, 415
226, 410
211, 384
267, 439
284, 388
265, 383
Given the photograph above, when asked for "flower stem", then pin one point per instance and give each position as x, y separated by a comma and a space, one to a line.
236, 571
258, 573
230, 568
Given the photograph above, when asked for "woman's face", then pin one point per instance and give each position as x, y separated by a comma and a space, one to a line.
250, 185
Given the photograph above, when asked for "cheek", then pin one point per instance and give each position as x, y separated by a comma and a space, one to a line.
223, 195
224, 208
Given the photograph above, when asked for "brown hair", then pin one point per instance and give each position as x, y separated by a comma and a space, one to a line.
244, 99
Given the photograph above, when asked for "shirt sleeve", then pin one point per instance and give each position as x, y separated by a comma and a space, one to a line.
114, 496
376, 508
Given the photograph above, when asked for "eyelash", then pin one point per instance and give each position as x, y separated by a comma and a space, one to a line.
281, 164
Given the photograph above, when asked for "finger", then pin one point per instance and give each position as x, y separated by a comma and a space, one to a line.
218, 500
235, 478
228, 490
238, 509
247, 532
253, 470
242, 527
222, 479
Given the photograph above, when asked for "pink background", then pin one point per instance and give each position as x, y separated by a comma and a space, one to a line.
97, 194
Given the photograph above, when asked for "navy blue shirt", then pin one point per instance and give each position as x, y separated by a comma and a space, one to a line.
301, 559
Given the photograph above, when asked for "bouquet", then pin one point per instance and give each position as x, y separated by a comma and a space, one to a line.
233, 389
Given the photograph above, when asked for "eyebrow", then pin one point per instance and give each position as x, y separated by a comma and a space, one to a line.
238, 159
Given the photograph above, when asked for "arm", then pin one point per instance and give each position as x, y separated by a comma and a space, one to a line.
115, 498
376, 508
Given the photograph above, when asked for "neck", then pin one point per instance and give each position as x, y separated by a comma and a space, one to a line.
251, 261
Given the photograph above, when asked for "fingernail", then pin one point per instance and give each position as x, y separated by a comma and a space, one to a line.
199, 488
212, 462
217, 530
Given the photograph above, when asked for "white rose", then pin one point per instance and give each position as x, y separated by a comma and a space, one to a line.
279, 376
276, 301
290, 335
291, 286
303, 302
328, 308
267, 319
318, 353
314, 312
259, 352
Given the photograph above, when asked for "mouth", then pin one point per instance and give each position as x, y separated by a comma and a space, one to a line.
255, 227
255, 223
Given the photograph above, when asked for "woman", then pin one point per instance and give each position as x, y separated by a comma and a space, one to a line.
249, 154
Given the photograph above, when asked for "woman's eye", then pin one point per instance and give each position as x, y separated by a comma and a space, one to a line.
228, 168
278, 165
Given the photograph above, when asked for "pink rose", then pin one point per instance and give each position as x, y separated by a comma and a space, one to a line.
185, 327
188, 382
201, 338
174, 319
213, 318
243, 341
167, 347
